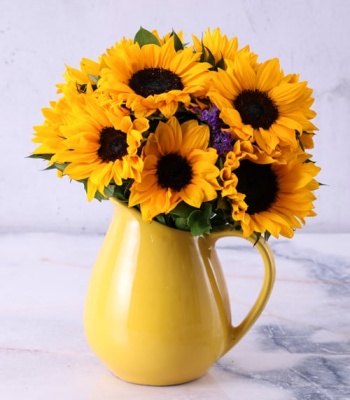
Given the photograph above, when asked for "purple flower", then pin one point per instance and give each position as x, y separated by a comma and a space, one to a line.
211, 116
222, 142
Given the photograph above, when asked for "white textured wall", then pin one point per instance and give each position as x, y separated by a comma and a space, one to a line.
38, 37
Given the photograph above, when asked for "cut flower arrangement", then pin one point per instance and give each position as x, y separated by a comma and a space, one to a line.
197, 136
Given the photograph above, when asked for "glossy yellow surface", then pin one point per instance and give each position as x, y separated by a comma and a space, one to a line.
157, 310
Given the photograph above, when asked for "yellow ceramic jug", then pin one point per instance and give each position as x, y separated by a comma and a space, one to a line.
157, 310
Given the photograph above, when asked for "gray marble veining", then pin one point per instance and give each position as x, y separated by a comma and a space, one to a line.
299, 349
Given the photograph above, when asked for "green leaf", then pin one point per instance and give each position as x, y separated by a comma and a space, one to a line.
220, 64
42, 156
220, 163
182, 210
120, 192
298, 137
109, 190
94, 78
267, 235
181, 223
257, 238
98, 196
160, 218
52, 166
178, 45
208, 55
199, 220
143, 36
60, 167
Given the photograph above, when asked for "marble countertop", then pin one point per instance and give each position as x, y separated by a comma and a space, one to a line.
299, 349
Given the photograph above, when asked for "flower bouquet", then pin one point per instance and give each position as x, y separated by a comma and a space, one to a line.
202, 138
198, 137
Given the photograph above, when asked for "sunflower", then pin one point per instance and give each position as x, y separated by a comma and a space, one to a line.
259, 103
100, 147
49, 134
178, 166
152, 77
218, 47
80, 81
277, 194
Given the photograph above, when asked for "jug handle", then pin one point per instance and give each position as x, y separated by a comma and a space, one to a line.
237, 332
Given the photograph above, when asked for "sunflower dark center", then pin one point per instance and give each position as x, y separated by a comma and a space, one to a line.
259, 184
256, 109
151, 81
174, 172
113, 144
